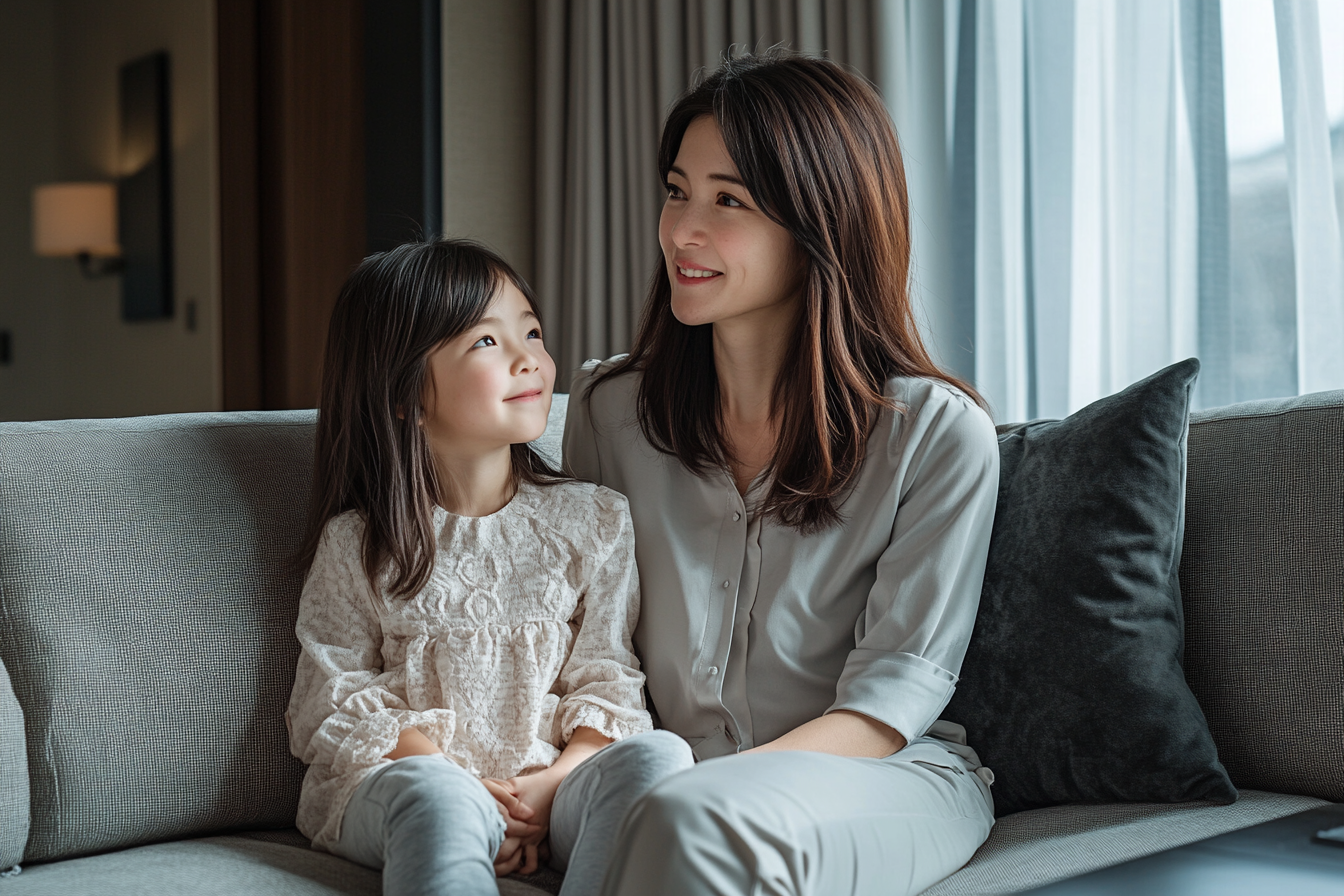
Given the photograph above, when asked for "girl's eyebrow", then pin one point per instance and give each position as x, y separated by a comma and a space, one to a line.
726, 178
494, 321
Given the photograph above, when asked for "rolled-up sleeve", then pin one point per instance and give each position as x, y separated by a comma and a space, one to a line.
601, 682
912, 637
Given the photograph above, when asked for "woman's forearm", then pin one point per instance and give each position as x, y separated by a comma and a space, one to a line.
840, 733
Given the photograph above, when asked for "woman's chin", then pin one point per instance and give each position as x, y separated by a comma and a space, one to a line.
692, 313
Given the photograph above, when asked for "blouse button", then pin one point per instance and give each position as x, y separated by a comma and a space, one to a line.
713, 670
737, 515
725, 583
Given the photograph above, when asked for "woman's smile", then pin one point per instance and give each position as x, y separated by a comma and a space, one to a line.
690, 274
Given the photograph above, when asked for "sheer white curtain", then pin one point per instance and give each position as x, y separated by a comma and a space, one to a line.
1089, 236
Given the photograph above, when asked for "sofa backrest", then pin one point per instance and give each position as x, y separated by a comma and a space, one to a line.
146, 620
1262, 583
147, 608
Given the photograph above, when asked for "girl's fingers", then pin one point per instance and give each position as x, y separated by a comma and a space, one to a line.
529, 859
519, 829
509, 865
508, 799
509, 857
502, 794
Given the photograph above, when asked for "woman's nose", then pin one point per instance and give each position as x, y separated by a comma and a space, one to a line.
689, 227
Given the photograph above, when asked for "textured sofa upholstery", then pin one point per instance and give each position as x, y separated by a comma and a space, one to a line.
146, 639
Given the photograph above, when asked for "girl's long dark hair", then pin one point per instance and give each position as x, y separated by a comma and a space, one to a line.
371, 452
816, 149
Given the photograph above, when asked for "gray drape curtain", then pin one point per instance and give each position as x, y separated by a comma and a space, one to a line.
607, 72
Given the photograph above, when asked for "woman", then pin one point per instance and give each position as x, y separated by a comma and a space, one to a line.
812, 500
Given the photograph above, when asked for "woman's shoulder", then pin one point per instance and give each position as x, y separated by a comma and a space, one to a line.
933, 411
604, 387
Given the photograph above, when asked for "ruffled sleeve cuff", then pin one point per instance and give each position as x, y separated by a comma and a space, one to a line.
902, 690
607, 719
376, 735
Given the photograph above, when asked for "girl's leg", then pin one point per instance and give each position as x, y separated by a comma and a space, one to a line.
595, 797
804, 824
430, 825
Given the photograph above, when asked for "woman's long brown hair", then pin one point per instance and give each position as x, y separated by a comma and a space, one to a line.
816, 149
371, 452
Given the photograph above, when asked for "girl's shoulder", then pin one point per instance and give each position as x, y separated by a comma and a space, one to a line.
574, 507
574, 496
344, 529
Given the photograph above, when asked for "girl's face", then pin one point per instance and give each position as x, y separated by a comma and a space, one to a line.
490, 386
725, 258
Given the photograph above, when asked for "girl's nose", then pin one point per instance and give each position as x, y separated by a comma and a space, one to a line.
526, 361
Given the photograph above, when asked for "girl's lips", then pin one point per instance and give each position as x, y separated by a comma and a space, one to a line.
526, 396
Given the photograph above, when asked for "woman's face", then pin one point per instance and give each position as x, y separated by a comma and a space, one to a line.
726, 260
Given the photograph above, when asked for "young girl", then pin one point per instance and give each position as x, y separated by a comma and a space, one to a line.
467, 617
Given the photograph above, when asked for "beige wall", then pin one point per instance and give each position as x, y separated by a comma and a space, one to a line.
30, 299
489, 85
83, 360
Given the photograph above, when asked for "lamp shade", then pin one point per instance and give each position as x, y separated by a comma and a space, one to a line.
75, 218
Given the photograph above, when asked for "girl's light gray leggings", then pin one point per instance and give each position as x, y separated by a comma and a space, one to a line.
434, 829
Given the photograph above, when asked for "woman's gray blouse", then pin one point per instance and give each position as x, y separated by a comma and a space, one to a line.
748, 628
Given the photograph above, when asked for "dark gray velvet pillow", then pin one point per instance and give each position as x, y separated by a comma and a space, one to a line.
1072, 689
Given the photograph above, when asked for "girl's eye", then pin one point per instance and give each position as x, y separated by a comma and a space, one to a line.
534, 333
730, 201
483, 342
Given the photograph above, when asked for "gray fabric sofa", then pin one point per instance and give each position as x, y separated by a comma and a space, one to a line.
146, 632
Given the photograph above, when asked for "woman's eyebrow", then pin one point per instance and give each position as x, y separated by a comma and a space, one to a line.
726, 178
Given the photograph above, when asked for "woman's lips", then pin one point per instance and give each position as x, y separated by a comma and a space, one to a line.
693, 274
533, 395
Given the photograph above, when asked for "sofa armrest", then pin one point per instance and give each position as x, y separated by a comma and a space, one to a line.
13, 776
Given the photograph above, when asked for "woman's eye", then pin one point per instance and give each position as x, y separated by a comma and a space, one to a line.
673, 192
483, 342
730, 201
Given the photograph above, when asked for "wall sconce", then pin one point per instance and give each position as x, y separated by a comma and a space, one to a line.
78, 220
84, 220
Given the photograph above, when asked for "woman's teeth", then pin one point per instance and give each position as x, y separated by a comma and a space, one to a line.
686, 272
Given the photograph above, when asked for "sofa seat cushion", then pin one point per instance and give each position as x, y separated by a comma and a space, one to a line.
1031, 849
264, 863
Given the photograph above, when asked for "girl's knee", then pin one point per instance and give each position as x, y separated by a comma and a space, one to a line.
430, 787
662, 752
643, 760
